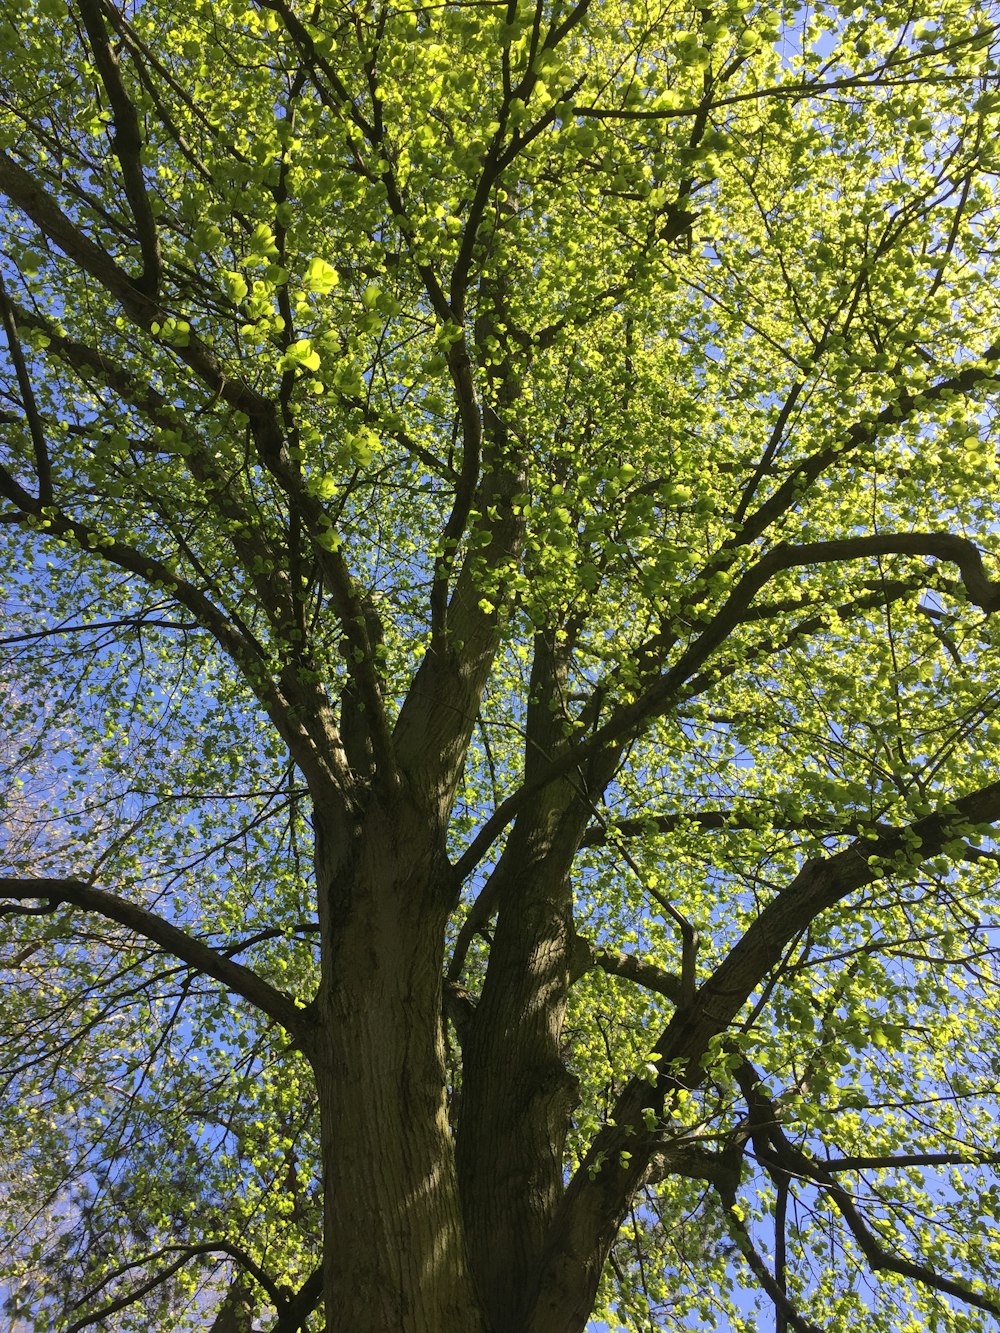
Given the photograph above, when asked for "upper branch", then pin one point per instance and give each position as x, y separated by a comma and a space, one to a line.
317, 763
127, 143
270, 585
629, 720
885, 75
43, 468
23, 190
862, 434
470, 415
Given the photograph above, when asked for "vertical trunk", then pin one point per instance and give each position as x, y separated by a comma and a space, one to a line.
394, 1255
517, 1095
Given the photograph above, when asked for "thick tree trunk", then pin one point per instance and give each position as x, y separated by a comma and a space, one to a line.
394, 1252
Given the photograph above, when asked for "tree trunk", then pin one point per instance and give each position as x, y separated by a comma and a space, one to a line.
394, 1251
516, 1094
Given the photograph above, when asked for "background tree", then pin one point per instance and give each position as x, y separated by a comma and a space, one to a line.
498, 519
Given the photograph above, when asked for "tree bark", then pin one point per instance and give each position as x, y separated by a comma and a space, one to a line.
394, 1251
517, 1095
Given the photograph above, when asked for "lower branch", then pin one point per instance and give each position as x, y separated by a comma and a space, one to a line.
782, 1304
301, 1305
792, 1161
599, 1192
185, 1255
234, 976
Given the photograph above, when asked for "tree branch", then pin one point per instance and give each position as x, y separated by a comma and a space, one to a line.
275, 1293
170, 938
301, 1305
127, 145
884, 76
797, 1163
658, 696
43, 470
905, 1159
315, 713
602, 835
637, 970
598, 1193
760, 1270
23, 190
470, 414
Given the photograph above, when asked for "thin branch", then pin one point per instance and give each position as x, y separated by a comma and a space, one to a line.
190, 1252
891, 1161
630, 719
26, 193
601, 835
471, 418
782, 1188
140, 621
43, 470
275, 1293
794, 1161
770, 449
318, 761
760, 1270
22, 189
598, 1193
794, 91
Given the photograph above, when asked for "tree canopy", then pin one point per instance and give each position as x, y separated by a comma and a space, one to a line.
498, 512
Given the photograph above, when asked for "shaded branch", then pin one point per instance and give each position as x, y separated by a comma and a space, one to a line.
26, 193
460, 366
315, 761
189, 1252
601, 835
301, 1305
862, 434
798, 1163
980, 590
770, 449
275, 1293
140, 621
761, 1272
23, 190
314, 716
637, 970
905, 1159
43, 471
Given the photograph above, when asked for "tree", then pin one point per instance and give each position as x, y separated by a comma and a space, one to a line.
499, 524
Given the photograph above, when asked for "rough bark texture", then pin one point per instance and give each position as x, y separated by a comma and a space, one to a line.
516, 1096
394, 1249
517, 1093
